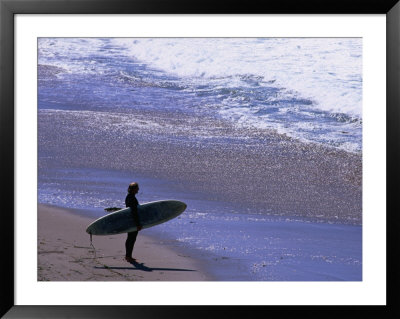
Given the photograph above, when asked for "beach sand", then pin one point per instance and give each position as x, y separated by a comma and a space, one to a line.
65, 254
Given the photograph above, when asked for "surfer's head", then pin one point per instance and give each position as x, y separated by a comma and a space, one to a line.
133, 188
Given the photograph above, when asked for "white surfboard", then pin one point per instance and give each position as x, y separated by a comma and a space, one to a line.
150, 214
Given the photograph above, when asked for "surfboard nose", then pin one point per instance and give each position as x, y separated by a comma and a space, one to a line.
179, 206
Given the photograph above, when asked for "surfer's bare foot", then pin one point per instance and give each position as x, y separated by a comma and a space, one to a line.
130, 259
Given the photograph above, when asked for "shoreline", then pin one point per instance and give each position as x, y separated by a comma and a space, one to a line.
241, 248
65, 253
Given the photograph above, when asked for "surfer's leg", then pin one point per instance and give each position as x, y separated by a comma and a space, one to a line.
129, 243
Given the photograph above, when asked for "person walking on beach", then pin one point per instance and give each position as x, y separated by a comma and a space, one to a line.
132, 202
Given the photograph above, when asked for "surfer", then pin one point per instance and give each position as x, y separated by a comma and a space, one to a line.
132, 202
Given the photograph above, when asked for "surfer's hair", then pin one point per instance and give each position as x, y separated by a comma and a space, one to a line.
132, 186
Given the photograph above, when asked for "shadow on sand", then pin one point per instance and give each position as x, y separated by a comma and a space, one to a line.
141, 266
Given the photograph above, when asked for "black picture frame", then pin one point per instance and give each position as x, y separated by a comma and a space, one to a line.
8, 9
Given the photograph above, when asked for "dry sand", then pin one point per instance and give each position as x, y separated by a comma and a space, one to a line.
65, 254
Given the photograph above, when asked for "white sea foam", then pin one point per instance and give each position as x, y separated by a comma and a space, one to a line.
72, 54
326, 70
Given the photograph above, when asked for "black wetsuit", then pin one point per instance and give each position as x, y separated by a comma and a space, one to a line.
132, 202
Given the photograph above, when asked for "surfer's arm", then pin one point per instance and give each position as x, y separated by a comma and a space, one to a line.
135, 216
132, 203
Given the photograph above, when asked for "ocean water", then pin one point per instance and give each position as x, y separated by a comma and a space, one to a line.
98, 97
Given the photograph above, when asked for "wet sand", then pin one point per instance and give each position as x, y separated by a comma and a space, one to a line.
259, 170
65, 254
